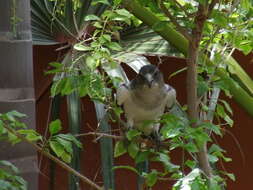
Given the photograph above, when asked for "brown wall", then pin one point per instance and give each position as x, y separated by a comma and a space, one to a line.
241, 165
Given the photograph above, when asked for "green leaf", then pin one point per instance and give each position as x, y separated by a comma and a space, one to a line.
95, 2
81, 47
245, 4
210, 126
123, 12
229, 121
67, 145
230, 175
202, 88
214, 185
16, 114
133, 149
186, 181
114, 46
168, 132
67, 87
10, 166
31, 135
71, 138
151, 178
92, 62
227, 106
191, 164
191, 147
219, 18
98, 25
1, 127
118, 111
56, 64
55, 127
91, 17
212, 158
66, 157
132, 133
220, 111
165, 160
142, 156
119, 149
215, 148
57, 148
117, 2
121, 18
105, 38
57, 86
13, 139
5, 185
226, 159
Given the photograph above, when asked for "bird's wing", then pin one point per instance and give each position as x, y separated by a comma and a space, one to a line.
171, 96
122, 93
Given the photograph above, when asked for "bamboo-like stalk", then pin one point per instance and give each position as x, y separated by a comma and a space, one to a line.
106, 147
74, 116
142, 167
55, 112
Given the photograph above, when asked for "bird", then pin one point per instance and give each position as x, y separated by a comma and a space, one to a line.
145, 98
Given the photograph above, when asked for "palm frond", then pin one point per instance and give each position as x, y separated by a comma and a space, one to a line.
144, 41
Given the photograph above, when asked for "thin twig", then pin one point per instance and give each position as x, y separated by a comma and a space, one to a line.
180, 28
100, 135
185, 11
56, 160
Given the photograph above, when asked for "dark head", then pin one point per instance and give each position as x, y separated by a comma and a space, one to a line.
150, 76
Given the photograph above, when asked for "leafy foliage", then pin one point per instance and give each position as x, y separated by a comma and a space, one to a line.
61, 144
97, 38
9, 177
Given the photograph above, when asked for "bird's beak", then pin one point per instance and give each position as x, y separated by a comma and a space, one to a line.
149, 79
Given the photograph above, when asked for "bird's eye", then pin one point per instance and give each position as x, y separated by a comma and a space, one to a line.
156, 74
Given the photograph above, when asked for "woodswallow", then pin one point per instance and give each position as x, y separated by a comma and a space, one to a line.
145, 98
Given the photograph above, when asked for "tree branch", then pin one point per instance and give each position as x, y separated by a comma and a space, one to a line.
211, 6
56, 160
192, 99
100, 135
181, 29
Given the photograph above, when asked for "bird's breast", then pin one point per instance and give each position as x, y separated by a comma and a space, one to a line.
140, 110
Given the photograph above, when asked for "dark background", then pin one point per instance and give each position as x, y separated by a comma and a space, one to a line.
237, 141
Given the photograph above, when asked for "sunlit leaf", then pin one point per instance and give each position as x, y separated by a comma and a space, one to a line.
55, 126
91, 17
133, 149
151, 178
81, 47
119, 149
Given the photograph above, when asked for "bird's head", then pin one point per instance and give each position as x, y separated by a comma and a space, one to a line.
150, 76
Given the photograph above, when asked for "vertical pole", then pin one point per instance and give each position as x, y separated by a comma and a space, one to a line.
16, 81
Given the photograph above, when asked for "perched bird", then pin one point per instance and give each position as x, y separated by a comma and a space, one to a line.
145, 98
